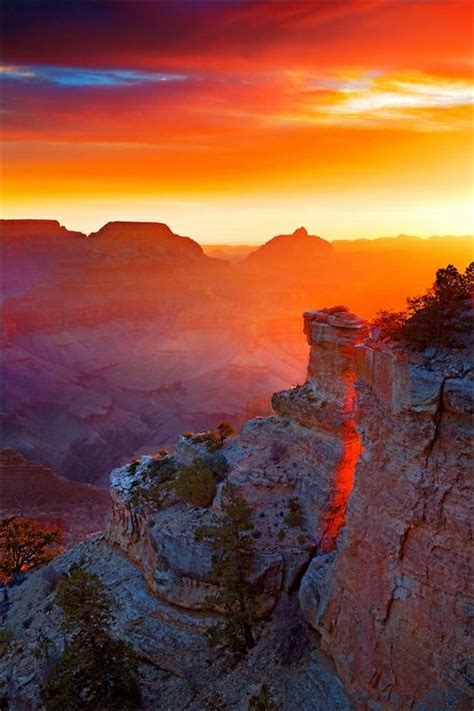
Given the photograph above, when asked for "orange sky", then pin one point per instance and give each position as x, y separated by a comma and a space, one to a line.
234, 121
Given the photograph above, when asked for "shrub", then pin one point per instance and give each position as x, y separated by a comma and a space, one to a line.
214, 439
195, 484
5, 635
233, 560
95, 671
151, 488
225, 430
133, 466
161, 469
439, 317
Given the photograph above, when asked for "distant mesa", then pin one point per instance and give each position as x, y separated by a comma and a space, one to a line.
155, 237
296, 247
142, 230
35, 228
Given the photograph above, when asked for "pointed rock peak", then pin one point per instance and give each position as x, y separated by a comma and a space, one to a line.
300, 232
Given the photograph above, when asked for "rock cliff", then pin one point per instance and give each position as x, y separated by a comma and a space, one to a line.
392, 601
358, 488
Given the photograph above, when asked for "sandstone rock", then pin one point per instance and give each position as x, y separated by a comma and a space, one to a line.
395, 617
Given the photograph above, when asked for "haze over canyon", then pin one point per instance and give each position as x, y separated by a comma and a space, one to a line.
116, 342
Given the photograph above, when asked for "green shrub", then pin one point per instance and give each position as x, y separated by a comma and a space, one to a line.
5, 635
195, 484
214, 439
95, 671
133, 466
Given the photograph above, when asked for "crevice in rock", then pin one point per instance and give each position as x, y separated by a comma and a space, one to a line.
295, 585
437, 417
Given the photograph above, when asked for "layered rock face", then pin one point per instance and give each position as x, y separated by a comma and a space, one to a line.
307, 453
358, 487
32, 491
391, 603
376, 448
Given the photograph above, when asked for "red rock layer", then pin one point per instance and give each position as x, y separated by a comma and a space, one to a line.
32, 491
392, 606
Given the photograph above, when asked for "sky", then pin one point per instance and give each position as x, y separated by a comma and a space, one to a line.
237, 120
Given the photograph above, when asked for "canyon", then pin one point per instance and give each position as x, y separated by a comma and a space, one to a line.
31, 491
363, 599
114, 343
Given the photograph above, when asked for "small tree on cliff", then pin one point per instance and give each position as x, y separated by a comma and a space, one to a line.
24, 544
234, 553
95, 671
439, 317
225, 430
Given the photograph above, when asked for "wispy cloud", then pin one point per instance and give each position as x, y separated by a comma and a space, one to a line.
11, 72
85, 77
375, 99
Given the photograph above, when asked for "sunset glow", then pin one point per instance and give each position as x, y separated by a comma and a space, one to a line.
235, 121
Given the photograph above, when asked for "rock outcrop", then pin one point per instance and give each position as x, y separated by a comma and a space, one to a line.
358, 486
392, 602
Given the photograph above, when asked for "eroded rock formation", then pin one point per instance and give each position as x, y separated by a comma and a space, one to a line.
373, 454
392, 603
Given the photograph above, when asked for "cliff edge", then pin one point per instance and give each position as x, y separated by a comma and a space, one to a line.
358, 490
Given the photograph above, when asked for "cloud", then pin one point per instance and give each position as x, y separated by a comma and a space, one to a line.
10, 72
86, 77
378, 99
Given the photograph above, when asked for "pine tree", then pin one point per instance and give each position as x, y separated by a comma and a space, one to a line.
233, 560
95, 671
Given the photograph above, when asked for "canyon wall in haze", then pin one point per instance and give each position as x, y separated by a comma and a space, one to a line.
116, 342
